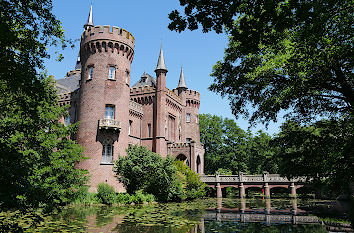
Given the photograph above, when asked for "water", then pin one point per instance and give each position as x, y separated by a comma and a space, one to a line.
209, 215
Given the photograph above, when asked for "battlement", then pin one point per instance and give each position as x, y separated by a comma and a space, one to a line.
107, 39
141, 90
175, 145
108, 32
192, 94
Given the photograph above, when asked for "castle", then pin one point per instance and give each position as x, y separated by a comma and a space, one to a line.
114, 115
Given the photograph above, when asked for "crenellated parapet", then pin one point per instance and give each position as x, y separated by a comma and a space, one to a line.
142, 90
192, 98
107, 39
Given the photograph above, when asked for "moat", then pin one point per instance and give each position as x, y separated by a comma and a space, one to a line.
208, 215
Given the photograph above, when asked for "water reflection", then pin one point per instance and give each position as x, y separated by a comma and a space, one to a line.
210, 215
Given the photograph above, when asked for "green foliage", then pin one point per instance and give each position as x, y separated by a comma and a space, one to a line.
192, 184
83, 196
144, 170
229, 149
106, 193
37, 156
262, 154
322, 150
282, 55
225, 144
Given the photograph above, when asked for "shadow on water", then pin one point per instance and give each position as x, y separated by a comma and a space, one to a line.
208, 215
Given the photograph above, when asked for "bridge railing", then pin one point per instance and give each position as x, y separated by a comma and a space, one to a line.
273, 178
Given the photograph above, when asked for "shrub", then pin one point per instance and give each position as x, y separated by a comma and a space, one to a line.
106, 193
83, 196
122, 198
194, 187
144, 170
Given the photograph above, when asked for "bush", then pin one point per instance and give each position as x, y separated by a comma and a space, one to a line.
144, 170
83, 196
122, 198
106, 193
193, 186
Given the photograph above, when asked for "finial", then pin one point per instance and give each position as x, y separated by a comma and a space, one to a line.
89, 22
161, 62
182, 81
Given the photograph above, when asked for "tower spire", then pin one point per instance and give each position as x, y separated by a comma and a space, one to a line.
182, 81
161, 62
89, 22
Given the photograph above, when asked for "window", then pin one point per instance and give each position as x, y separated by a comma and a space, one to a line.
149, 130
112, 72
171, 127
67, 121
127, 77
130, 127
90, 73
197, 119
188, 140
109, 113
107, 153
188, 118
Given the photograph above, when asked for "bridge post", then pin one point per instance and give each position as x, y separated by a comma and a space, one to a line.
266, 190
242, 190
293, 189
243, 205
218, 187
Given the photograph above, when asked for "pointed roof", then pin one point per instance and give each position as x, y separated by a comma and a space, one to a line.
161, 62
89, 22
182, 81
78, 63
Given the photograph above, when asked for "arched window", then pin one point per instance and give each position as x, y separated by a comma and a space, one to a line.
198, 165
107, 152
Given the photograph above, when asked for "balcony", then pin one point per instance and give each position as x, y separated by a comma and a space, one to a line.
109, 124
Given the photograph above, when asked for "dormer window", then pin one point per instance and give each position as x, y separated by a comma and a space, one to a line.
112, 73
143, 79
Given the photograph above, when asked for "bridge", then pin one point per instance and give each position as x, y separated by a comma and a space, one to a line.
265, 181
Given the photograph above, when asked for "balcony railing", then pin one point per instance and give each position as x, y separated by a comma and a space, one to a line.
109, 124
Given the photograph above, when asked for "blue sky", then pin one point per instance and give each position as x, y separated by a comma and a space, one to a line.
148, 21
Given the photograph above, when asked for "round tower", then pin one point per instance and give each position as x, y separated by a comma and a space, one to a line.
106, 55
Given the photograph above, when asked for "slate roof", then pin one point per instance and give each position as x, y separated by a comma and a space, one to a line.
69, 84
145, 80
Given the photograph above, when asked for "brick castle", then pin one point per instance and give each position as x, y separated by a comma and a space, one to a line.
113, 114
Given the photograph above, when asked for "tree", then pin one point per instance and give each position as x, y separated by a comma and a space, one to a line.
37, 155
144, 170
262, 154
193, 186
322, 150
282, 55
225, 144
292, 56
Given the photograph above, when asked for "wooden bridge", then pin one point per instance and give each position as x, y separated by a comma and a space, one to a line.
265, 182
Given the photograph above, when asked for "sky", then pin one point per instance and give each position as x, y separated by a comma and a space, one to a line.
148, 21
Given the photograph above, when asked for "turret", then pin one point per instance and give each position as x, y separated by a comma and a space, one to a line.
160, 105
